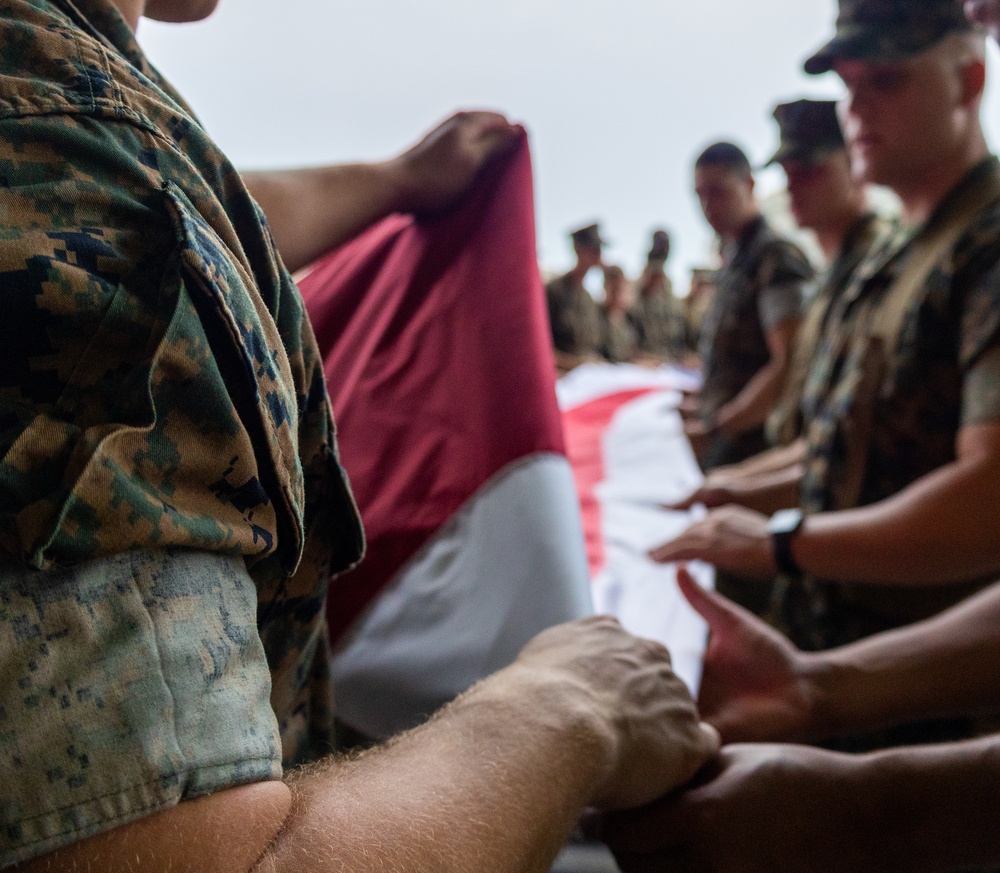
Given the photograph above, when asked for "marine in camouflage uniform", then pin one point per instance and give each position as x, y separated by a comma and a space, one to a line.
905, 421
759, 286
573, 314
658, 315
786, 422
823, 198
660, 319
811, 142
908, 360
884, 406
172, 503
619, 334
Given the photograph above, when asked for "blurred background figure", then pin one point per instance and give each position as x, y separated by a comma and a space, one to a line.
699, 298
658, 314
619, 333
746, 337
573, 314
827, 199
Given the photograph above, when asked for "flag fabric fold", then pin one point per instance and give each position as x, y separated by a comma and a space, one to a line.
439, 365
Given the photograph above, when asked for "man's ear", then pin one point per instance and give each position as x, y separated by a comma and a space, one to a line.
973, 75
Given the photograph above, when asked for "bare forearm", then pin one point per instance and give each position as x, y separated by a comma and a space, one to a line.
945, 666
751, 407
934, 807
771, 461
313, 210
943, 528
586, 715
491, 786
769, 492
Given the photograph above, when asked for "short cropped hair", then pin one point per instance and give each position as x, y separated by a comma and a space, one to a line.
727, 155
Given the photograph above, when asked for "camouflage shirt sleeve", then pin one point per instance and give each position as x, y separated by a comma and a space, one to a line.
162, 395
979, 343
783, 274
128, 684
981, 310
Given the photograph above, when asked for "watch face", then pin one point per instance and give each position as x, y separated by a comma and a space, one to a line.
785, 521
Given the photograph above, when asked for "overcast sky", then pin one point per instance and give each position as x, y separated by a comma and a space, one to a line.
619, 95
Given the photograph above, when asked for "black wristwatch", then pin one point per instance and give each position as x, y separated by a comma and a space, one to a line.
783, 526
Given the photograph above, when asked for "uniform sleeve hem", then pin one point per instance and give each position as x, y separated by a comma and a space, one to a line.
58, 828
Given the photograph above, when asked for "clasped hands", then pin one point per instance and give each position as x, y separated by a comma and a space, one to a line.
758, 806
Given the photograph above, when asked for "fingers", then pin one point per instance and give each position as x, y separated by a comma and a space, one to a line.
658, 827
709, 496
491, 133
675, 550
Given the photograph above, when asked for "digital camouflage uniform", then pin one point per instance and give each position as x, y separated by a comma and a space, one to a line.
785, 424
573, 317
660, 320
759, 286
172, 504
916, 414
618, 336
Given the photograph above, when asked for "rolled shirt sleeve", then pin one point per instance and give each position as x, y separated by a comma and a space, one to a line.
129, 683
784, 273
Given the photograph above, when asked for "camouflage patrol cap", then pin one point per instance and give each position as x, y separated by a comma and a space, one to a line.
589, 236
888, 30
809, 131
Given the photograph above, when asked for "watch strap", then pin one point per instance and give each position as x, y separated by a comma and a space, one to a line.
784, 526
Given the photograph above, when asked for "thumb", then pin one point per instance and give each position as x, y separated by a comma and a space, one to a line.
720, 613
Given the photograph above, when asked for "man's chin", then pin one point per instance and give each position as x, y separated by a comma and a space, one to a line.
868, 172
179, 11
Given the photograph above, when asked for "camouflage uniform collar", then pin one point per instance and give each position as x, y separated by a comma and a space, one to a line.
974, 178
744, 240
753, 227
858, 231
104, 21
898, 238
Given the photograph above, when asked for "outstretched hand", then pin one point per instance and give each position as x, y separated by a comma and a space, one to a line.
438, 170
731, 537
756, 684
